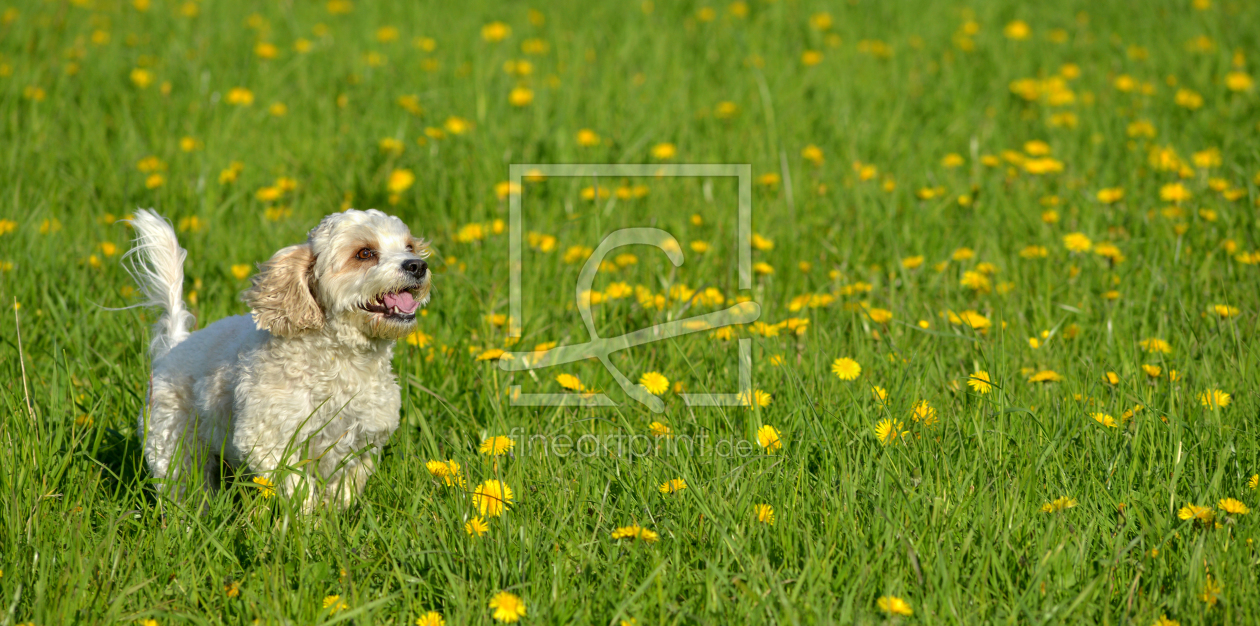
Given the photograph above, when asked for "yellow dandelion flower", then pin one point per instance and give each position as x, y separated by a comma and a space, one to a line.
1058, 505
892, 605
673, 486
1077, 242
1233, 507
492, 498
496, 446
654, 383
521, 96
768, 438
980, 382
765, 514
1195, 512
334, 604
1215, 398
569, 381
1045, 376
1155, 345
889, 430
432, 618
475, 527
495, 31
634, 531
266, 488
1104, 419
508, 608
846, 368
660, 430
749, 397
1017, 30
923, 413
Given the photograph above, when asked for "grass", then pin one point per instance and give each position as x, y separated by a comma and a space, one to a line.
946, 516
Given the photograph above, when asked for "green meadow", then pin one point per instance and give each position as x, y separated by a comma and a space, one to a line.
1006, 257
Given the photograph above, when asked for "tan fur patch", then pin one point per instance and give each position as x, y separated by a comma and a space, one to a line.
282, 300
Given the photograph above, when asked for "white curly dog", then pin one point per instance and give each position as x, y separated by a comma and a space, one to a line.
301, 391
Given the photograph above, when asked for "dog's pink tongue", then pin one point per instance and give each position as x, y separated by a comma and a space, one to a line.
402, 300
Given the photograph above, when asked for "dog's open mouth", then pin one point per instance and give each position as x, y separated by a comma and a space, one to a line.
400, 306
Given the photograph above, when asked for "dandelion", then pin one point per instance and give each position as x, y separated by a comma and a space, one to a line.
923, 413
521, 96
1104, 419
1045, 376
496, 446
1211, 591
893, 605
1111, 195
334, 604
1017, 30
492, 354
846, 368
400, 180
1200, 514
1239, 81
879, 316
1233, 507
768, 438
1188, 98
432, 618
1111, 378
1253, 482
1077, 242
1224, 311
810, 58
673, 486
449, 472
654, 383
765, 514
888, 430
881, 394
495, 31
1153, 345
587, 138
266, 488
664, 151
492, 498
1174, 192
569, 381
1164, 621
749, 397
1215, 398
240, 96
660, 430
508, 608
1152, 370
1058, 505
634, 531
475, 527
980, 382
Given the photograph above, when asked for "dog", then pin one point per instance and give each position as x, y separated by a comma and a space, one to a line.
301, 391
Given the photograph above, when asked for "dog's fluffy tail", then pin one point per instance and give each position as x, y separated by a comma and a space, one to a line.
156, 262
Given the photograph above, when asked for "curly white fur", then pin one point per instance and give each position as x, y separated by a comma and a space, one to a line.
300, 391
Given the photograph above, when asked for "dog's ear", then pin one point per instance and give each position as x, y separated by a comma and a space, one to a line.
281, 299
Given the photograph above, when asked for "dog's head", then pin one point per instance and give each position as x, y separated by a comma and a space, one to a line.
360, 270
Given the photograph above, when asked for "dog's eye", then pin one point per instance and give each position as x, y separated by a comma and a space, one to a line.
364, 254
410, 249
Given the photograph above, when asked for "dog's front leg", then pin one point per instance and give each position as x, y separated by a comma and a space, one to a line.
347, 482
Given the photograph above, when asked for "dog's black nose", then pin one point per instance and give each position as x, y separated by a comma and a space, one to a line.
415, 267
